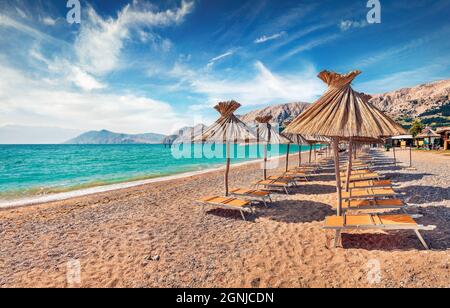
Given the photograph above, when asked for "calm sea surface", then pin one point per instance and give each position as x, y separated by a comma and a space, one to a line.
31, 170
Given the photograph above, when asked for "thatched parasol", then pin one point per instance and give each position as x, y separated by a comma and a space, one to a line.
266, 131
228, 129
342, 113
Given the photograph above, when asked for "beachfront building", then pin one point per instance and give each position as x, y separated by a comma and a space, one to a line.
428, 139
445, 137
402, 141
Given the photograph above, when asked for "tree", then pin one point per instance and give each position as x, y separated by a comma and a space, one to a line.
417, 127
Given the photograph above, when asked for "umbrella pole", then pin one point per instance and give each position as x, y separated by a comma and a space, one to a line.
395, 156
227, 170
300, 155
287, 157
349, 167
410, 156
315, 153
338, 175
265, 162
310, 153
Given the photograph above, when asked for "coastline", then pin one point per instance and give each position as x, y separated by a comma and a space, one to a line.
36, 200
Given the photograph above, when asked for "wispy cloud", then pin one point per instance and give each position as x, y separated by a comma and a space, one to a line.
6, 21
407, 78
100, 41
346, 25
265, 38
308, 46
21, 13
265, 87
218, 58
48, 21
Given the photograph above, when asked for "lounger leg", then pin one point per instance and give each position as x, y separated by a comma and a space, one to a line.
243, 216
338, 239
421, 239
286, 190
265, 203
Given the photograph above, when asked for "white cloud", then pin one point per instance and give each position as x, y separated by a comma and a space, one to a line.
84, 81
45, 104
48, 21
265, 88
346, 25
218, 58
265, 38
101, 41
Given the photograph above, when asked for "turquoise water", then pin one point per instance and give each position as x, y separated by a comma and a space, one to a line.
30, 170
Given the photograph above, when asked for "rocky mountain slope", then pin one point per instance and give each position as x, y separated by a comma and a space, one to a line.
414, 102
280, 113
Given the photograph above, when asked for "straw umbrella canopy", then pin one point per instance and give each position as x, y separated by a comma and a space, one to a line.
342, 113
228, 129
266, 131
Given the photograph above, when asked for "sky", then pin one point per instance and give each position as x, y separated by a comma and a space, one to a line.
136, 66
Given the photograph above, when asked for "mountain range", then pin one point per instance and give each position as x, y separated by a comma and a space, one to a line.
108, 137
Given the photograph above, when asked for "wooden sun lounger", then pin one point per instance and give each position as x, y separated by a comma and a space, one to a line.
356, 172
368, 193
228, 203
370, 184
253, 195
297, 175
374, 222
357, 167
274, 184
284, 178
384, 204
362, 177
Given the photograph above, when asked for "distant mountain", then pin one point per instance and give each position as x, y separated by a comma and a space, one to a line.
186, 133
415, 101
18, 134
107, 137
280, 113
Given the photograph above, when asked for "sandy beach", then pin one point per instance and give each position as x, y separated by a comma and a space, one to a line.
154, 235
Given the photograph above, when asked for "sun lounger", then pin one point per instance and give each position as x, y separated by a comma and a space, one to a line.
374, 222
370, 184
357, 166
253, 195
297, 175
284, 178
228, 203
383, 204
355, 172
368, 193
274, 184
362, 177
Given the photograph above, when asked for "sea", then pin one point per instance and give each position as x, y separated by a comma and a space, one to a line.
38, 170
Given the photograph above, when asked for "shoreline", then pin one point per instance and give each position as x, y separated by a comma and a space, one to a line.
36, 200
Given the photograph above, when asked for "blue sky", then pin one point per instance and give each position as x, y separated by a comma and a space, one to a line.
141, 66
